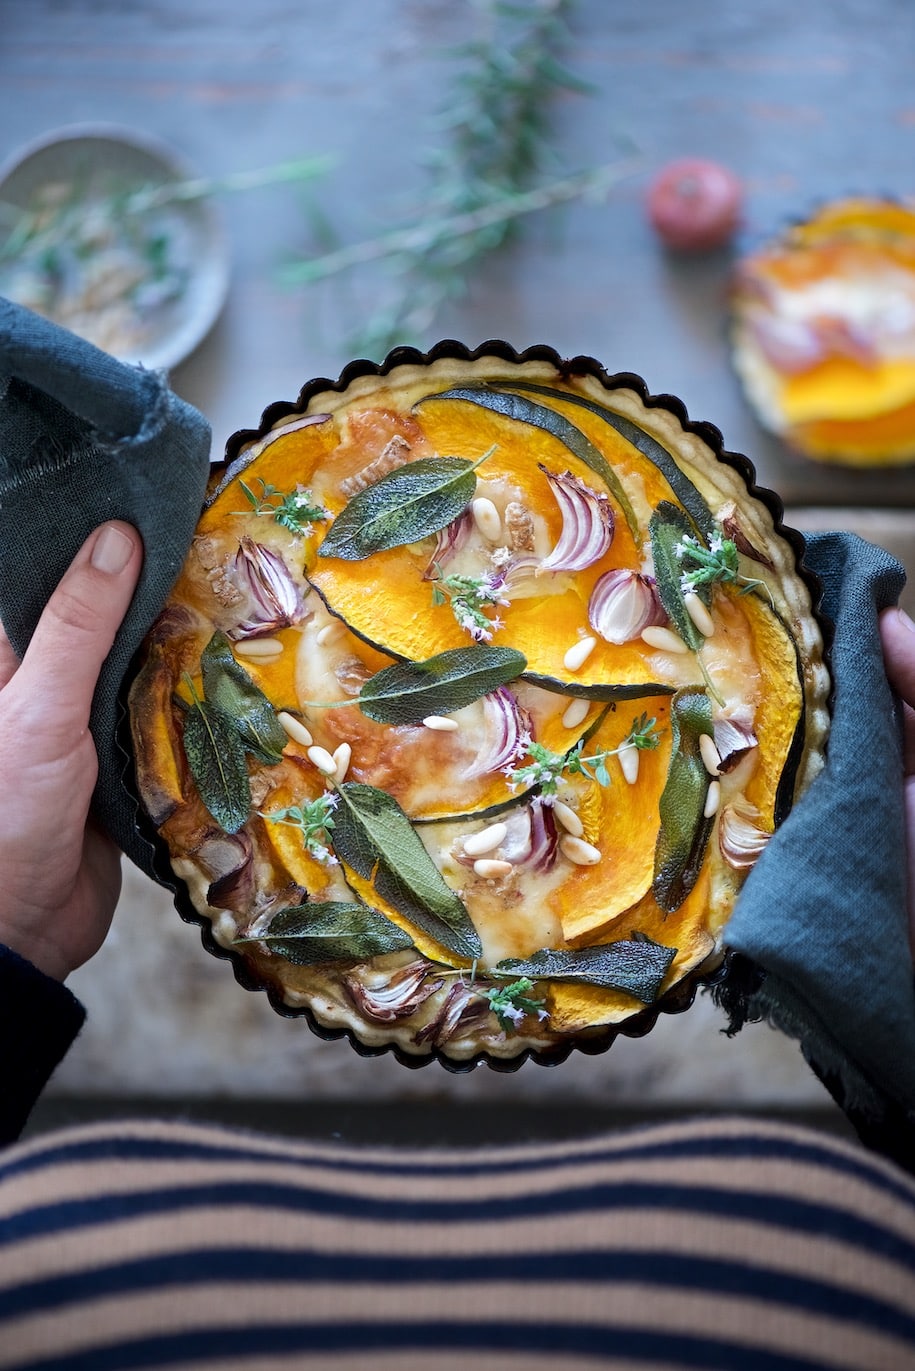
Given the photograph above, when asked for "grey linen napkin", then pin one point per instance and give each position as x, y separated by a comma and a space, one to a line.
820, 930
824, 913
85, 438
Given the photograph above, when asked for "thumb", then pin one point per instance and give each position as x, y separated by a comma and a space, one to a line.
897, 633
77, 628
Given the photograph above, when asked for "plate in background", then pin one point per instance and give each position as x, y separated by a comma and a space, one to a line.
146, 285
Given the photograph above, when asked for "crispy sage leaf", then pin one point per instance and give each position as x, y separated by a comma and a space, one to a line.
525, 411
331, 931
403, 506
638, 968
216, 758
373, 835
668, 525
407, 692
228, 686
684, 829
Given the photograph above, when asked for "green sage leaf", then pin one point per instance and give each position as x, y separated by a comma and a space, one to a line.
684, 830
373, 835
638, 968
668, 526
407, 692
228, 686
216, 758
331, 931
525, 411
403, 506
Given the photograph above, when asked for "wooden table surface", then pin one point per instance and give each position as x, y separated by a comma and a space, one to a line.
803, 101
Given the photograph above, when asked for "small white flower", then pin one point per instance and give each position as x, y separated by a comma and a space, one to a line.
510, 1011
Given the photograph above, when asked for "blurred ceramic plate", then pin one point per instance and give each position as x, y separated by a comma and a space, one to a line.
106, 231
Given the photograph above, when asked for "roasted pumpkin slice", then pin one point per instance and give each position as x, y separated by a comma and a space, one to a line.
483, 686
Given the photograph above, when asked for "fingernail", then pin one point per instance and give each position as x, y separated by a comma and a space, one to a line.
905, 620
112, 551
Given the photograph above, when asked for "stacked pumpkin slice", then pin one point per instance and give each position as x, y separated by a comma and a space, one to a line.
482, 689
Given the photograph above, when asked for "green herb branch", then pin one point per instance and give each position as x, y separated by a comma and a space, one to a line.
546, 769
294, 511
514, 1003
468, 595
486, 175
718, 563
313, 820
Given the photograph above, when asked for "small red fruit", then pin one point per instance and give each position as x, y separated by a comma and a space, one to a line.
694, 205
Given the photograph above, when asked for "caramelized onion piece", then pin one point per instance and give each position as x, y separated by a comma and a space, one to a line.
395, 996
507, 733
462, 1011
740, 838
735, 533
587, 523
272, 597
227, 858
733, 740
622, 603
448, 541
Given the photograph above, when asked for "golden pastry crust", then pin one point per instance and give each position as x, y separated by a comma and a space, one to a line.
532, 861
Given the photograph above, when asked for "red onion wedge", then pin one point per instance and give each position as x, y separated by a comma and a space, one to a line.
272, 596
587, 523
532, 839
448, 541
734, 738
507, 728
622, 603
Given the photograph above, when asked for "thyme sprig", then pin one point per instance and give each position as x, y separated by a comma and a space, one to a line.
514, 1003
467, 596
294, 511
314, 821
486, 173
547, 769
718, 563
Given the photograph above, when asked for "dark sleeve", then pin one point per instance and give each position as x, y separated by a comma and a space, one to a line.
39, 1018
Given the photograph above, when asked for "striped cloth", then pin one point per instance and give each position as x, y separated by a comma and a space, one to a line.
735, 1245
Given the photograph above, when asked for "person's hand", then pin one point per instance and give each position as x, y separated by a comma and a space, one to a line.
897, 633
59, 876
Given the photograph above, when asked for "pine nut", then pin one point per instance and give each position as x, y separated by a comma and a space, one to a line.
579, 653
487, 518
294, 728
328, 633
259, 647
341, 757
699, 614
440, 724
489, 867
576, 713
567, 818
655, 635
712, 799
629, 762
322, 759
487, 840
711, 759
578, 851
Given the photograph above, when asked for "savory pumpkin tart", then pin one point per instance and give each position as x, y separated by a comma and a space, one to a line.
484, 685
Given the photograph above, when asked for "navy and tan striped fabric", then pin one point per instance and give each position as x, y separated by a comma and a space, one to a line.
734, 1245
